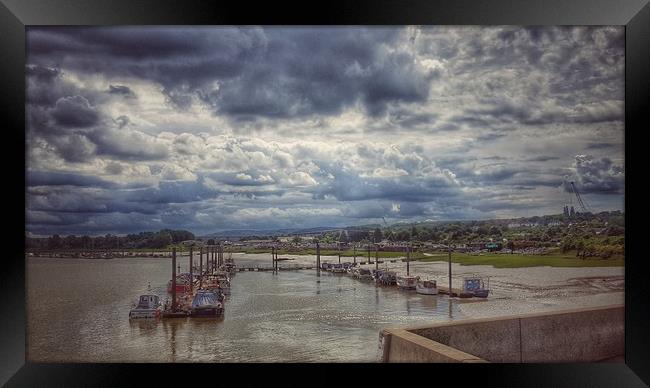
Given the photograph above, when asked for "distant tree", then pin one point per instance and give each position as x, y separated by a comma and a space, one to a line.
211, 242
296, 240
511, 246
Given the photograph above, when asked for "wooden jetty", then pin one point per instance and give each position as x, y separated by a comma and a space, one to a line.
263, 268
454, 292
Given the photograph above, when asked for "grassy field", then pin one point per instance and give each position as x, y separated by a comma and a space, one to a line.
520, 261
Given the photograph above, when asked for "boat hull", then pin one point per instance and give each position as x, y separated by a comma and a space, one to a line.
406, 283
207, 312
427, 291
481, 293
144, 314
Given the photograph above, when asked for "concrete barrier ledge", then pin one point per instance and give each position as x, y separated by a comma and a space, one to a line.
589, 334
507, 317
423, 349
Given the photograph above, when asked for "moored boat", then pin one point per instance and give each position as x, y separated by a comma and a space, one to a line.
207, 303
148, 306
365, 274
427, 287
476, 287
407, 282
183, 282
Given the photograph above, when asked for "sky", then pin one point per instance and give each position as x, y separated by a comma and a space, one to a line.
135, 129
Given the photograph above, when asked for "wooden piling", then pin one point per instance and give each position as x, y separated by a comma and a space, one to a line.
408, 259
338, 248
174, 279
191, 274
191, 265
376, 256
355, 254
201, 269
449, 249
318, 259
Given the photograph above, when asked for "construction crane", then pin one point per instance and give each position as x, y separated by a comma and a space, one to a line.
582, 204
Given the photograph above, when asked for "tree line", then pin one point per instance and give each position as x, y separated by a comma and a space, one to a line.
142, 240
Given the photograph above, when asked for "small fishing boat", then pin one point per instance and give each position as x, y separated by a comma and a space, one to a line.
476, 287
148, 306
338, 268
207, 303
385, 278
365, 274
427, 287
183, 283
407, 282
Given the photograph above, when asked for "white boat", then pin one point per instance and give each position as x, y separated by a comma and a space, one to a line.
407, 282
149, 306
427, 287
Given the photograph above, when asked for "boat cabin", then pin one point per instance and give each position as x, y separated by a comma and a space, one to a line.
148, 302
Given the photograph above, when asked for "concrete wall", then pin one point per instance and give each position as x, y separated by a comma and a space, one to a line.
577, 335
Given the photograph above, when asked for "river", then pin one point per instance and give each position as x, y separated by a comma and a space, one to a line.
78, 312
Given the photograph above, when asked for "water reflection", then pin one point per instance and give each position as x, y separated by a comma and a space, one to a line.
281, 317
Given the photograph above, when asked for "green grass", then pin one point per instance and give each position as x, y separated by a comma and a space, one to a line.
522, 261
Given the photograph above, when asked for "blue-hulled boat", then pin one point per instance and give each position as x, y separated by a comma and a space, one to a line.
207, 303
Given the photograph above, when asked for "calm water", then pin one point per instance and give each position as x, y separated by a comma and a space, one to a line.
78, 312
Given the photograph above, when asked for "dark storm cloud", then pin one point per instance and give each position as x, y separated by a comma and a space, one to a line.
52, 178
596, 175
274, 72
542, 158
74, 112
121, 90
42, 73
600, 145
425, 111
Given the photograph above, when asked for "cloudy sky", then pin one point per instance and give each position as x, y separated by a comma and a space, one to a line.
205, 129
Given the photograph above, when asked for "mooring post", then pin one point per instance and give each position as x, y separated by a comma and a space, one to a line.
318, 259
201, 270
449, 250
191, 276
355, 253
376, 256
273, 259
191, 265
408, 259
368, 247
174, 279
338, 248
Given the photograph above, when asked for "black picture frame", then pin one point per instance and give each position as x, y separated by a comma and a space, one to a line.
16, 14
